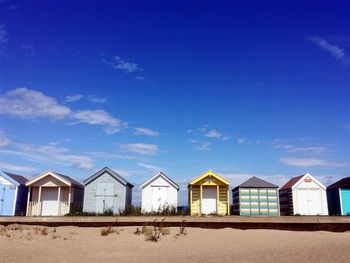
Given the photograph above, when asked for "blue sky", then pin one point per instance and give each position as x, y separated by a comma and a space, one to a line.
240, 88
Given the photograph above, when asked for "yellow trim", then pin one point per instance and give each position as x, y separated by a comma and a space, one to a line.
209, 174
217, 199
191, 209
200, 199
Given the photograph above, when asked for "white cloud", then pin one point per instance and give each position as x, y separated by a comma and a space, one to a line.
99, 117
73, 98
150, 167
30, 104
213, 134
146, 131
288, 147
54, 153
3, 34
333, 50
310, 162
241, 140
97, 99
16, 168
4, 140
140, 77
122, 65
204, 147
124, 172
141, 148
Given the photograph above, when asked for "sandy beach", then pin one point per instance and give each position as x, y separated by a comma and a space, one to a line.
74, 244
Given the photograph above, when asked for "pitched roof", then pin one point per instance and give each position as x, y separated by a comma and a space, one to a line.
21, 180
64, 178
70, 179
111, 172
257, 183
209, 173
291, 182
162, 175
342, 183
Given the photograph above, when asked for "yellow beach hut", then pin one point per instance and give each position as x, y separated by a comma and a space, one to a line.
209, 194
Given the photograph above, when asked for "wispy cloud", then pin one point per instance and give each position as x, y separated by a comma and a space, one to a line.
96, 99
123, 65
16, 168
73, 98
213, 134
310, 162
289, 147
335, 51
99, 117
203, 147
146, 131
53, 153
3, 34
141, 148
4, 140
150, 167
29, 104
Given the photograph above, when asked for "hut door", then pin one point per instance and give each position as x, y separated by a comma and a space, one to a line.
159, 197
209, 200
49, 196
104, 197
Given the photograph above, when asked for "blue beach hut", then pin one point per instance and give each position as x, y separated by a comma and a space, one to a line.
13, 194
338, 196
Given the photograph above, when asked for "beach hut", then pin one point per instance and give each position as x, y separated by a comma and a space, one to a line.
53, 194
303, 195
338, 197
106, 191
209, 194
255, 197
158, 192
13, 194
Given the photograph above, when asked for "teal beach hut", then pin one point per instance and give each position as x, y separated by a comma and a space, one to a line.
338, 197
255, 197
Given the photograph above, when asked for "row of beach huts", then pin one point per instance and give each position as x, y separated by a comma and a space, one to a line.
55, 194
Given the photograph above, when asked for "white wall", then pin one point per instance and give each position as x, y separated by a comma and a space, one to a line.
309, 185
147, 198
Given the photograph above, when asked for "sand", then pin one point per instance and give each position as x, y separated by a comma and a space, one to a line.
74, 244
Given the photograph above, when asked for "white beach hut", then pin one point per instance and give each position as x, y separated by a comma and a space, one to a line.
157, 192
303, 195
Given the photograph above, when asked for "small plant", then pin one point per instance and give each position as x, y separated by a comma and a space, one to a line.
153, 236
54, 229
44, 231
36, 230
146, 229
164, 231
137, 232
107, 231
183, 230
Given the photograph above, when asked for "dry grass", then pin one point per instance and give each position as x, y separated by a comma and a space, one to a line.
44, 231
108, 230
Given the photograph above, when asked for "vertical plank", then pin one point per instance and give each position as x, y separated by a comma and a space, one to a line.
217, 199
228, 200
59, 201
191, 208
200, 199
38, 212
28, 200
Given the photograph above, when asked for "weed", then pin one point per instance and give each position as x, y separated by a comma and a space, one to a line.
137, 232
108, 230
183, 230
153, 236
44, 231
